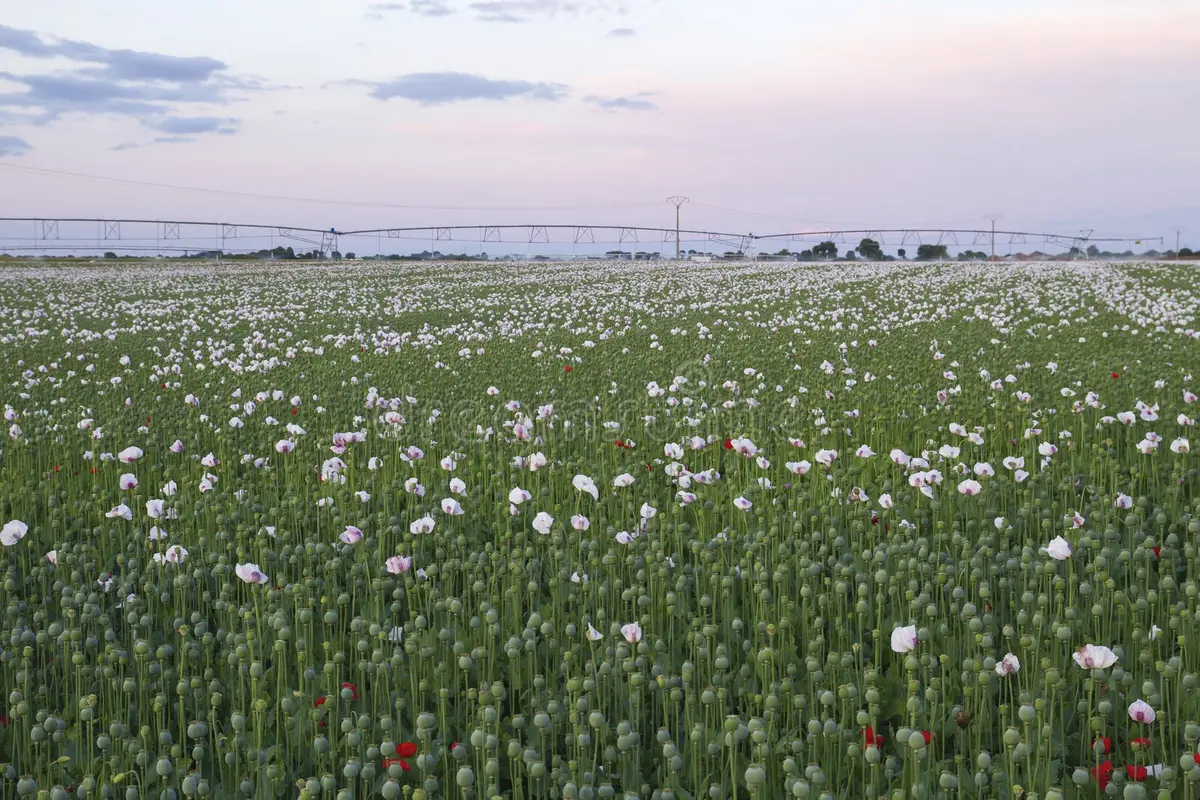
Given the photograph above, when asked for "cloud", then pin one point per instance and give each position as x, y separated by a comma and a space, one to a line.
424, 8
511, 11
636, 102
186, 126
12, 146
621, 33
121, 65
438, 88
149, 86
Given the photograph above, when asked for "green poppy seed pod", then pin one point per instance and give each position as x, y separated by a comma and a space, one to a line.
320, 745
1026, 713
1080, 777
163, 767
1104, 708
1054, 794
871, 753
1134, 791
916, 740
1012, 737
465, 777
756, 777
983, 761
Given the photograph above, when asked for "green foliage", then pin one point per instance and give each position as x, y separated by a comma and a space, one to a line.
428, 585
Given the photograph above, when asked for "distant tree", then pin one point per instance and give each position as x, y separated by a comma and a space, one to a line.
1093, 251
1186, 252
350, 255
851, 255
825, 250
110, 255
783, 252
902, 252
931, 252
870, 249
806, 255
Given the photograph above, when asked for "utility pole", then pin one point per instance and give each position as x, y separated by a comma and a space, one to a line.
677, 200
993, 218
1178, 229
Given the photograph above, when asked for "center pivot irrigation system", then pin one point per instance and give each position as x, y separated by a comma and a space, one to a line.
48, 236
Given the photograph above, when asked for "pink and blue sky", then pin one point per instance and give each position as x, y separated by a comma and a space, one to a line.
770, 114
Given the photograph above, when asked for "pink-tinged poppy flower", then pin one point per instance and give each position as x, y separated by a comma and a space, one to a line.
970, 488
250, 573
423, 525
1141, 711
351, 535
1059, 549
13, 532
127, 481
1094, 656
122, 511
904, 639
129, 455
398, 565
1008, 665
632, 632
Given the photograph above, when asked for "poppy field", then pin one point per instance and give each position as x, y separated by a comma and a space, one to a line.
600, 530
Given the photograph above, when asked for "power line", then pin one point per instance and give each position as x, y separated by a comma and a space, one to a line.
314, 200
826, 224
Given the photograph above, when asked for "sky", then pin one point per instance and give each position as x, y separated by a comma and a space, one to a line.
769, 115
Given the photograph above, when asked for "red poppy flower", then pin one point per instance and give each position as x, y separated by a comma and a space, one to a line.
320, 701
1107, 742
57, 467
4, 721
1102, 774
404, 765
569, 368
729, 444
1195, 756
1157, 552
928, 736
649, 468
870, 737
1137, 773
406, 749
164, 386
353, 690
1115, 376
295, 411
1141, 741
